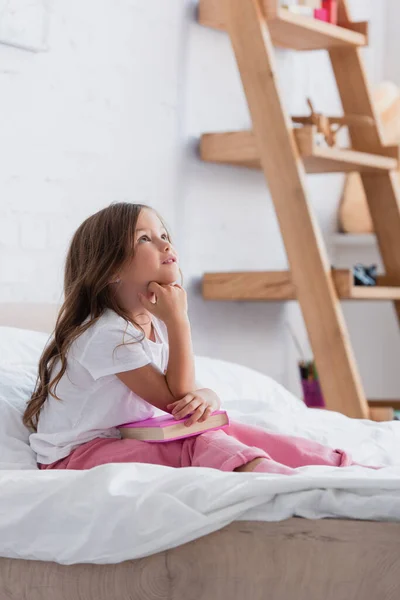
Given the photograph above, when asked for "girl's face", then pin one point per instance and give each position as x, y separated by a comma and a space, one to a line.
155, 259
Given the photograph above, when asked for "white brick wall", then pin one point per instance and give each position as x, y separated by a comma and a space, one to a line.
91, 121
17, 268
9, 232
33, 232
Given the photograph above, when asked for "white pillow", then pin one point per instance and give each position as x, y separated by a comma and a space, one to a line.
16, 386
248, 396
21, 346
20, 351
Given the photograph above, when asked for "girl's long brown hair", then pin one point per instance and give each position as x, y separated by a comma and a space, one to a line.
99, 249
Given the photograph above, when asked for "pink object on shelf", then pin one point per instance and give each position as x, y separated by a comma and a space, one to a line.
321, 14
331, 6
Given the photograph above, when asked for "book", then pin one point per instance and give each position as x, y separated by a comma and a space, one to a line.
163, 429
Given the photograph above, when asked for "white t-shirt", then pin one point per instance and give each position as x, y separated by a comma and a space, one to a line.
93, 400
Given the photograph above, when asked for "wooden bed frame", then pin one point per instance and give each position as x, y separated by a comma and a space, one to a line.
297, 559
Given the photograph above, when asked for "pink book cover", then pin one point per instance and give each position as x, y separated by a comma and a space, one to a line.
167, 421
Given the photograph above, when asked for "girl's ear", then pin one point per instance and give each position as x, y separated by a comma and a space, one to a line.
116, 281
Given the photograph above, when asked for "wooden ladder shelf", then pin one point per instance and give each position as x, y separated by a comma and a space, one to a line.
276, 146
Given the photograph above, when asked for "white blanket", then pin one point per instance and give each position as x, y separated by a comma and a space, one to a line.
119, 512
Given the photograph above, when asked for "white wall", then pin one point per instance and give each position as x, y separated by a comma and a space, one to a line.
91, 121
113, 111
391, 62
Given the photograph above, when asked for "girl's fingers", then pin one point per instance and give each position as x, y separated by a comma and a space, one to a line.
174, 403
179, 404
188, 409
195, 416
206, 414
154, 287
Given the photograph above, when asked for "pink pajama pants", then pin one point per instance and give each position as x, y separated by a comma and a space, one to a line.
225, 450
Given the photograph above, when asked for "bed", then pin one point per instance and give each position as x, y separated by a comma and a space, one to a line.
142, 531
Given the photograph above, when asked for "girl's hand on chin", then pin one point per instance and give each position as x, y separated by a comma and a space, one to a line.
169, 302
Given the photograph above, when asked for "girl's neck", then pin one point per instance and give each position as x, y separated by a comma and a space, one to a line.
140, 315
144, 319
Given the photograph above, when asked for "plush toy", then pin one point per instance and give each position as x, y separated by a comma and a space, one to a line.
354, 215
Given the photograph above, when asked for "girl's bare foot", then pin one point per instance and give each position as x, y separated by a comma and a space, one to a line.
250, 466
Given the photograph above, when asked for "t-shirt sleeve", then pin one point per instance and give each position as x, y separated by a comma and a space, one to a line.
113, 350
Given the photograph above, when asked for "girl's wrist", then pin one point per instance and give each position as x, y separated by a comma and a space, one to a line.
216, 402
177, 321
211, 397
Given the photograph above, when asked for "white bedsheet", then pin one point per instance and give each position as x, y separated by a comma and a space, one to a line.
118, 512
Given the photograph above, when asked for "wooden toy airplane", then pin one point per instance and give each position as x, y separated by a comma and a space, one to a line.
330, 126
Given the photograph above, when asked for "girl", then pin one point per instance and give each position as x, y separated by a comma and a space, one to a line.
122, 351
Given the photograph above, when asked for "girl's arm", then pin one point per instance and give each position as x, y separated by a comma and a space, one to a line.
161, 390
171, 307
151, 384
180, 375
148, 382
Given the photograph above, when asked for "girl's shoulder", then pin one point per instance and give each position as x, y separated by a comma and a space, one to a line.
109, 321
108, 330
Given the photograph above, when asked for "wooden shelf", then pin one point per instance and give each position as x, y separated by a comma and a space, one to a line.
239, 148
354, 239
343, 279
250, 286
278, 286
289, 30
324, 159
232, 148
385, 402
